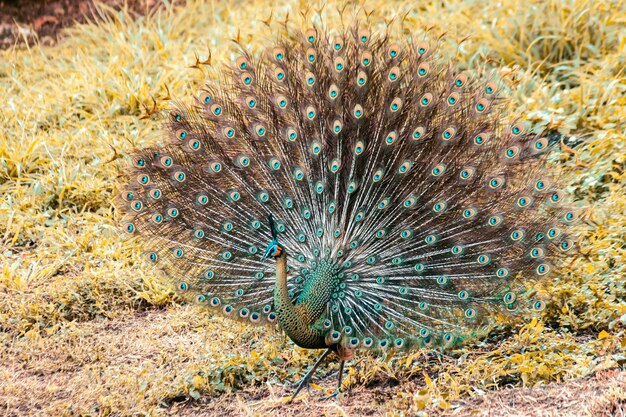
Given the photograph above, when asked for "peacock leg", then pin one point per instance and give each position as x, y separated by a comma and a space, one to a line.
338, 390
306, 379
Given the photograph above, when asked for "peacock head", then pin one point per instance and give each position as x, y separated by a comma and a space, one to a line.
274, 249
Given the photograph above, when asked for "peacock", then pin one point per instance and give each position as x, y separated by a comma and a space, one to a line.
358, 192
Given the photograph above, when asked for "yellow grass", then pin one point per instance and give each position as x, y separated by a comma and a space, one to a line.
88, 329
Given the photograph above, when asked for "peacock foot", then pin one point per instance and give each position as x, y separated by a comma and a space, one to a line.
304, 382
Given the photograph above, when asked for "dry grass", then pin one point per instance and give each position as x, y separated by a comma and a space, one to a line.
87, 329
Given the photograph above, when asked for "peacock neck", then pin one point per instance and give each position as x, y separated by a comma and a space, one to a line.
301, 321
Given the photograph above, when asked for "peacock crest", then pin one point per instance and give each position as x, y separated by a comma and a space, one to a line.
411, 210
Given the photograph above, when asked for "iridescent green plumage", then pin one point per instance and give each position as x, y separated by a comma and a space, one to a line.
409, 208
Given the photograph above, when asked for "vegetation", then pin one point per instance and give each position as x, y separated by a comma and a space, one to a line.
86, 328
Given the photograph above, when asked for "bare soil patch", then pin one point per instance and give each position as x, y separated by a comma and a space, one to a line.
32, 20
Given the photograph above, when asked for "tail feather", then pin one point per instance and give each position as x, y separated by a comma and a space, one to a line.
380, 157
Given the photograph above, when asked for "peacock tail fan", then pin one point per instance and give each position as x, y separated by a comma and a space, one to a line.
377, 159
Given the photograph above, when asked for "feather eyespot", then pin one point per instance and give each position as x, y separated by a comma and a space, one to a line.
391, 138
469, 213
440, 206
453, 99
316, 148
517, 235
143, 179
409, 202
246, 78
216, 109
503, 272
337, 126
448, 134
157, 218
512, 152
243, 161
311, 55
251, 102
298, 174
483, 259
358, 111
166, 161
173, 212
333, 92
566, 245
396, 104
467, 173
524, 202
310, 35
418, 133
518, 129
460, 80
569, 217
361, 78
179, 176
310, 112
542, 269
359, 147
204, 98
393, 51
394, 74
292, 135
556, 197
405, 167
215, 166
422, 48
540, 144
274, 164
181, 134
422, 69
554, 232
378, 175
194, 145
310, 79
229, 132
339, 64
260, 131
363, 35
140, 162
242, 63
495, 220
482, 138
278, 54
481, 105
202, 199
426, 99
279, 74
337, 43
406, 234
536, 253
366, 59
491, 88
496, 182
438, 170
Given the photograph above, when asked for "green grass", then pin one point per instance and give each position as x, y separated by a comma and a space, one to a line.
86, 328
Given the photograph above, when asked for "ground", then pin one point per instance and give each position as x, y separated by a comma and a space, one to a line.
86, 328
31, 21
